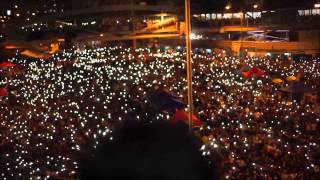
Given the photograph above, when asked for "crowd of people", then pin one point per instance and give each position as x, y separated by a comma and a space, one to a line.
58, 110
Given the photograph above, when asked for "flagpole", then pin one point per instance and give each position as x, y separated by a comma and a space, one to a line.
188, 62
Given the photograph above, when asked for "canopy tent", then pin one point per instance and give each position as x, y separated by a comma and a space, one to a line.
9, 47
277, 81
297, 88
181, 115
7, 65
291, 78
163, 100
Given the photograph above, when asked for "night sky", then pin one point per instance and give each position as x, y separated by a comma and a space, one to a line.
196, 4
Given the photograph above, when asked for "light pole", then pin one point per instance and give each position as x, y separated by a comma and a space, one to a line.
241, 33
255, 7
134, 41
189, 62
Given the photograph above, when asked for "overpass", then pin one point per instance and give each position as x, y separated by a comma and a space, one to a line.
108, 9
226, 29
295, 47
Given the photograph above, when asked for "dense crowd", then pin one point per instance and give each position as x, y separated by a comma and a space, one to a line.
58, 110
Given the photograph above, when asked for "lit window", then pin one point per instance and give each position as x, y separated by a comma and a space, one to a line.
203, 17
219, 16
214, 16
208, 17
237, 15
307, 12
256, 15
227, 16
301, 12
8, 12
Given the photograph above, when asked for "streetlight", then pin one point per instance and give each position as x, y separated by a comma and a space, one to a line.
227, 8
255, 6
188, 62
9, 12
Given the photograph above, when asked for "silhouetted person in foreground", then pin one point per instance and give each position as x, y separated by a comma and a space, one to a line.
158, 151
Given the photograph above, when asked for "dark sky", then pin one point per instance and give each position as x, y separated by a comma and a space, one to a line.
265, 4
205, 5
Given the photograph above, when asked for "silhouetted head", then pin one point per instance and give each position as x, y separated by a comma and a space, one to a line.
156, 151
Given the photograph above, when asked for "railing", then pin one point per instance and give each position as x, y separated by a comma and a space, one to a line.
268, 45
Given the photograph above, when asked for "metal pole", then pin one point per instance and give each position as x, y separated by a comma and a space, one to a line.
188, 61
134, 41
241, 33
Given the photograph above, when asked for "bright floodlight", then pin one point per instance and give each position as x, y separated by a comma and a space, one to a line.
317, 5
193, 36
8, 12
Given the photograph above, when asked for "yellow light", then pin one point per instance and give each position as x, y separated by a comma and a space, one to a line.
228, 7
255, 6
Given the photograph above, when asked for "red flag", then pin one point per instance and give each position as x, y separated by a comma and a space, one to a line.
258, 72
253, 72
181, 115
246, 74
